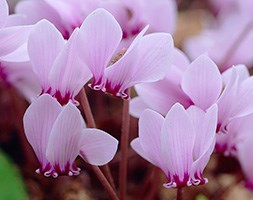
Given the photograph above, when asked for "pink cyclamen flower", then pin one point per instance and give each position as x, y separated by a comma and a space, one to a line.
180, 144
15, 68
58, 135
146, 60
198, 83
227, 42
55, 62
132, 16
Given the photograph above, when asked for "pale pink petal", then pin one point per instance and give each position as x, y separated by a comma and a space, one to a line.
202, 82
12, 38
64, 141
177, 141
165, 10
180, 59
19, 55
97, 146
205, 124
44, 44
4, 12
150, 126
38, 122
137, 106
162, 95
148, 61
246, 159
100, 35
38, 10
68, 74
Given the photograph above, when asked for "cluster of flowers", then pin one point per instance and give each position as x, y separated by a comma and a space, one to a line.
50, 49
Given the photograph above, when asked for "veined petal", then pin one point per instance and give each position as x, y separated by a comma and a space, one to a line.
150, 126
44, 44
148, 61
97, 146
100, 35
68, 74
12, 38
64, 141
205, 124
4, 12
180, 60
38, 122
177, 141
162, 95
202, 82
35, 11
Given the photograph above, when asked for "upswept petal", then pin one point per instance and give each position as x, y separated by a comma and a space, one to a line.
205, 124
100, 35
38, 122
97, 146
150, 126
246, 160
227, 98
35, 11
180, 60
137, 147
162, 95
12, 38
202, 82
64, 141
177, 141
68, 74
148, 61
44, 44
4, 12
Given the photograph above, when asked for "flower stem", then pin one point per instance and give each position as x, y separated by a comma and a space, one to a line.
124, 147
179, 193
91, 124
105, 183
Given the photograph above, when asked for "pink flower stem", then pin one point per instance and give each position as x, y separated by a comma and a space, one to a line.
105, 183
124, 148
91, 124
179, 193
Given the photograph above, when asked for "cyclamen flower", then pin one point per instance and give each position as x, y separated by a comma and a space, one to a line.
58, 135
15, 68
132, 16
146, 60
198, 83
227, 42
55, 62
180, 144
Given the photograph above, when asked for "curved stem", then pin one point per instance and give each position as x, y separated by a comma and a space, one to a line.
105, 183
91, 124
124, 147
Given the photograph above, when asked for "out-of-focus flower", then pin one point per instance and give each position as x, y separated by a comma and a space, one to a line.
146, 60
15, 68
56, 63
227, 42
58, 135
133, 16
244, 156
180, 144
